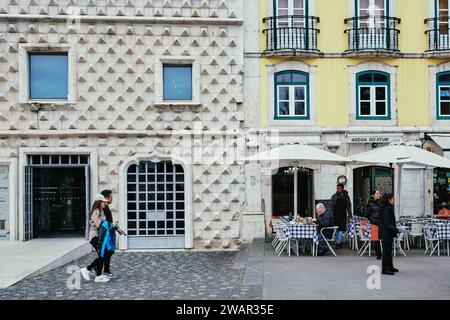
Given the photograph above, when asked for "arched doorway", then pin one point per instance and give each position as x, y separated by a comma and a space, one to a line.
368, 178
292, 192
156, 205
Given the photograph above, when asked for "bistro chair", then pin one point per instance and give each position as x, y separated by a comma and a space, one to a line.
430, 239
277, 226
330, 239
416, 232
398, 244
283, 241
367, 241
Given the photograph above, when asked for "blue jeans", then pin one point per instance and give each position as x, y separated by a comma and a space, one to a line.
322, 246
339, 237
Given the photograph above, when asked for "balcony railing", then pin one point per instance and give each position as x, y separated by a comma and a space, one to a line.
372, 33
291, 33
438, 34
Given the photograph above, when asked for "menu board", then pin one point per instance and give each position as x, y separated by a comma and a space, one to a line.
4, 203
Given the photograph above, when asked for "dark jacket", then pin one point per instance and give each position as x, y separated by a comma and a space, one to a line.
324, 221
340, 207
373, 212
388, 226
108, 214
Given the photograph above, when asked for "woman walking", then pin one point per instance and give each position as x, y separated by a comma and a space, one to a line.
373, 214
96, 218
388, 228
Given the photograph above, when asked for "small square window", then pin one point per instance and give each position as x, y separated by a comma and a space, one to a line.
177, 82
48, 76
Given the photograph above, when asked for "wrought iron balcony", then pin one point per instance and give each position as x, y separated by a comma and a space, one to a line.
291, 33
372, 33
438, 34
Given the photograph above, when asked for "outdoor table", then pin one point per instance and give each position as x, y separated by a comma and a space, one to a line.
353, 224
441, 231
302, 231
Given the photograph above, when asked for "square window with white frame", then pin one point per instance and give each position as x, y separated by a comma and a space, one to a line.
48, 75
177, 82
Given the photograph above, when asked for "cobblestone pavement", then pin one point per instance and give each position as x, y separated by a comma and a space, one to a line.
147, 275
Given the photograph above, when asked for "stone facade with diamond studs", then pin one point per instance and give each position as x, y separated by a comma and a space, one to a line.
115, 111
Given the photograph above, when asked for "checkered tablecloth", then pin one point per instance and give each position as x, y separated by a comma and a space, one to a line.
353, 225
405, 228
302, 231
443, 231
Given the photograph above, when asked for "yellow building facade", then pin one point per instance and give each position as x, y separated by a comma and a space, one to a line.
412, 61
348, 76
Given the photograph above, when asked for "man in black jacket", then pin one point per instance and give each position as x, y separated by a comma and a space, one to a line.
388, 231
341, 207
324, 219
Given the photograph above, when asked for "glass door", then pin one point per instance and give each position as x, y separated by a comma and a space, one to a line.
443, 22
371, 24
291, 23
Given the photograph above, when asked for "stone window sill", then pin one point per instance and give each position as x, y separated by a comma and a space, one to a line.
49, 105
178, 106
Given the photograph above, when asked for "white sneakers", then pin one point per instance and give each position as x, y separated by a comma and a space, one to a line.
85, 273
101, 278
110, 275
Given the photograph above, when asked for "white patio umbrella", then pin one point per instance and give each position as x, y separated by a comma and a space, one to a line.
400, 154
299, 154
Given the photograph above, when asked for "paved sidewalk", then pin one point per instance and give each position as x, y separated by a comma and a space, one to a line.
345, 277
19, 259
253, 272
148, 275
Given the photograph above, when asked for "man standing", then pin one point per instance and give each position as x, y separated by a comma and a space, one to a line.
340, 206
324, 219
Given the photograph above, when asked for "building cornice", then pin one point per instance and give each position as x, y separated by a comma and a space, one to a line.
11, 18
346, 130
115, 133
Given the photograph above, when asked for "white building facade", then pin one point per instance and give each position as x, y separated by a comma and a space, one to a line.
142, 97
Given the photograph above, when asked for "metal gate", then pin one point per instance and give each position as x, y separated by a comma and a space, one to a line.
28, 207
155, 205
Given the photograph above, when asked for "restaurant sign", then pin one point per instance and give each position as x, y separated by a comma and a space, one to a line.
373, 138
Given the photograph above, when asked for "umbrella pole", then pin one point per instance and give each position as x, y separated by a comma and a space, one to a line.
295, 192
399, 186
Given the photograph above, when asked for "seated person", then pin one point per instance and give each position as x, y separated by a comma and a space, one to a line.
324, 219
444, 212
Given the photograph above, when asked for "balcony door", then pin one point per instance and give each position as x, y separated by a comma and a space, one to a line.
372, 25
291, 23
442, 12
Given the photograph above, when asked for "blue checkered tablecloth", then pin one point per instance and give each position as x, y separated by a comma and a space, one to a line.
353, 225
443, 231
302, 231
